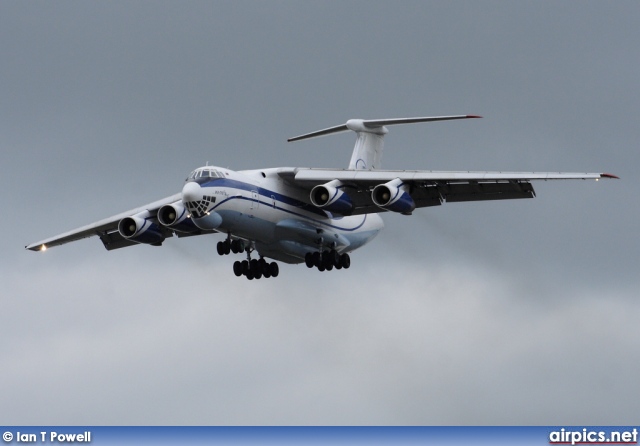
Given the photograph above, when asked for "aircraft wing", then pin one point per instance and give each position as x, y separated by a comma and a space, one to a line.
106, 229
431, 188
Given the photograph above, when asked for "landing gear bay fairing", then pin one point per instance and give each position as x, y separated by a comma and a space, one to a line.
303, 215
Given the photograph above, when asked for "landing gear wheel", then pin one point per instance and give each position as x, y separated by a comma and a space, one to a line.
274, 270
237, 246
224, 247
253, 266
245, 267
259, 268
345, 261
334, 257
308, 260
237, 268
325, 256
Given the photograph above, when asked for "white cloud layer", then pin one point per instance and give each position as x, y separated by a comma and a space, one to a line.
445, 344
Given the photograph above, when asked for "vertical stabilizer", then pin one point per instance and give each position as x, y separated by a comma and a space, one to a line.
367, 152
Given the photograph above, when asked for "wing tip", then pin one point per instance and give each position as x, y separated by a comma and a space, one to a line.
473, 116
609, 175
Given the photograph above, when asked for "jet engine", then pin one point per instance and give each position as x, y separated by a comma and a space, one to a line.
176, 216
393, 196
332, 197
139, 229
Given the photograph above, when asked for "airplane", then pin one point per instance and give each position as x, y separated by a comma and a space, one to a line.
312, 215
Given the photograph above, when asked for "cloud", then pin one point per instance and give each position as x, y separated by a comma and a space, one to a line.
435, 345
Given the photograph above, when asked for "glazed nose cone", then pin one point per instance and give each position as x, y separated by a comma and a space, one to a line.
191, 192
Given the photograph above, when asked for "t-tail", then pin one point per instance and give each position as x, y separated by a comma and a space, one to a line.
367, 152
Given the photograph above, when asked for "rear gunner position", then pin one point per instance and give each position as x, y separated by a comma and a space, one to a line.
310, 215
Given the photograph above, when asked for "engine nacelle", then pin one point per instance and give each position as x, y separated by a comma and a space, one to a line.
393, 196
140, 230
176, 216
332, 197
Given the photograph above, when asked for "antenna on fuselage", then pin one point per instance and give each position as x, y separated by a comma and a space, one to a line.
367, 152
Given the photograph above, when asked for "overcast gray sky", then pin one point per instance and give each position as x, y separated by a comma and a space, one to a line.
514, 312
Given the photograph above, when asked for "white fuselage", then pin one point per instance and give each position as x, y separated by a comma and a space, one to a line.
259, 206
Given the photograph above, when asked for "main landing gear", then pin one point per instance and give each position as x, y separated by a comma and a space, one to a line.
255, 269
327, 260
323, 260
228, 246
250, 268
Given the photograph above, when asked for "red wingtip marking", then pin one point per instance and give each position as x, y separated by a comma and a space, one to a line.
608, 175
474, 116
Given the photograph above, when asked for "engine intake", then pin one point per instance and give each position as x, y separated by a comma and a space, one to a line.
140, 230
393, 196
176, 216
332, 197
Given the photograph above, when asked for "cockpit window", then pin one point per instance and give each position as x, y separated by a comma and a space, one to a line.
204, 173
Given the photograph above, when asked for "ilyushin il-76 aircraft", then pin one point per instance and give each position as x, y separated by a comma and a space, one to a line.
311, 215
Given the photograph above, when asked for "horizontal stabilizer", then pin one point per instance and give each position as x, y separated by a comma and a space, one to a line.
335, 129
381, 122
363, 124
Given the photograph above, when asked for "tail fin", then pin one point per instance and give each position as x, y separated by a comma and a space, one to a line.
367, 152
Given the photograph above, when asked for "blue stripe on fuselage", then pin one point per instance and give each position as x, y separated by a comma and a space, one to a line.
235, 184
224, 182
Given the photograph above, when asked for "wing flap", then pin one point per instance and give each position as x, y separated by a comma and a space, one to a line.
488, 191
113, 240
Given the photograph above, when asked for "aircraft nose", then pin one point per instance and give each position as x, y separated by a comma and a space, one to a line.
191, 192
